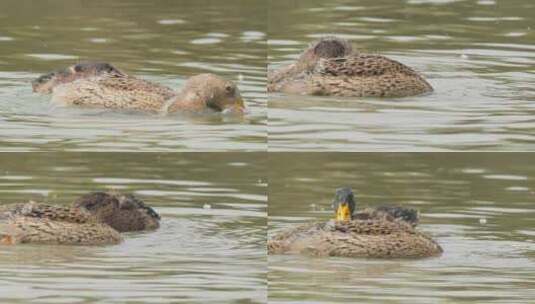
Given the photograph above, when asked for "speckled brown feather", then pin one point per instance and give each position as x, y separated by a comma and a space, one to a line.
46, 83
52, 212
100, 84
365, 76
351, 75
53, 232
123, 212
115, 92
94, 219
47, 224
356, 238
389, 213
362, 65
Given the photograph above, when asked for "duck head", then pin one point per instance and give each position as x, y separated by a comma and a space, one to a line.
327, 47
46, 83
123, 212
208, 91
344, 204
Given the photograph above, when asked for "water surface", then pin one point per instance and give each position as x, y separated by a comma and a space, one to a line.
161, 41
478, 55
210, 247
479, 207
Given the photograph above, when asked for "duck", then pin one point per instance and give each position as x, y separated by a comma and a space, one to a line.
100, 84
330, 67
387, 232
96, 218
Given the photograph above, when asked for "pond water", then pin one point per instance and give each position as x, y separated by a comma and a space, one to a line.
478, 55
210, 247
161, 41
479, 207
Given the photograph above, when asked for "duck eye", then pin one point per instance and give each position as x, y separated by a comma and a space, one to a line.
78, 68
90, 205
229, 88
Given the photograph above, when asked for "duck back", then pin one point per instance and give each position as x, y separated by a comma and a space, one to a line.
20, 230
114, 92
48, 224
356, 238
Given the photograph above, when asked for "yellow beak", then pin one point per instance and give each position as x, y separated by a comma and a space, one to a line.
238, 107
7, 240
343, 213
240, 103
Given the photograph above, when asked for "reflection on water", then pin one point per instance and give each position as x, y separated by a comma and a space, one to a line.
479, 207
210, 247
478, 55
165, 42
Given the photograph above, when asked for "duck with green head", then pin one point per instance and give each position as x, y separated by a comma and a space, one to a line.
386, 232
330, 67
97, 218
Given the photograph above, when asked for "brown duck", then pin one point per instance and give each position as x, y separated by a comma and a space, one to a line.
97, 84
93, 219
388, 232
331, 67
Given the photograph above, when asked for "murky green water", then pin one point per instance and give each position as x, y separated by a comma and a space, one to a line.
492, 262
198, 255
162, 41
478, 55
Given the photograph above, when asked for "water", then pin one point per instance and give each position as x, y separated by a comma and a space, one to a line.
478, 55
210, 247
479, 207
162, 41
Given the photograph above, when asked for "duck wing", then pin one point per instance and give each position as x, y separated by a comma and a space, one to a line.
46, 231
362, 76
361, 65
283, 241
357, 238
114, 91
295, 239
396, 244
373, 227
44, 211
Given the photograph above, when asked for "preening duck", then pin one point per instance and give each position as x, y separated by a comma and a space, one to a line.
330, 67
93, 219
98, 84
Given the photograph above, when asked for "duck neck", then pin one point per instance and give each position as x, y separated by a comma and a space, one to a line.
287, 71
183, 102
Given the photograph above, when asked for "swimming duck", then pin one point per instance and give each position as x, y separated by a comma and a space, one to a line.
93, 219
331, 67
99, 84
382, 233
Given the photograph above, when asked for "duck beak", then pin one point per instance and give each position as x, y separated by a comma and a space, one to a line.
343, 213
238, 107
7, 240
